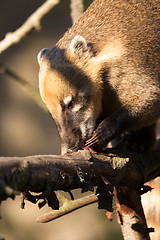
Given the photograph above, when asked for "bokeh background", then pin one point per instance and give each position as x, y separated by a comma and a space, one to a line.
25, 129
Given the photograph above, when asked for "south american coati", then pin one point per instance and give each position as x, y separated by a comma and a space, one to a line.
101, 81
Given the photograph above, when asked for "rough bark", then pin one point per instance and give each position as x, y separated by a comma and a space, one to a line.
44, 174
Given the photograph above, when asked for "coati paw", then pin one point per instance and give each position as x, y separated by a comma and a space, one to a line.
103, 134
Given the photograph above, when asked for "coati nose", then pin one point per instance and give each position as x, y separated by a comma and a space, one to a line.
41, 53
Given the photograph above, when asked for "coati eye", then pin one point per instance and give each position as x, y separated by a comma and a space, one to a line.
70, 104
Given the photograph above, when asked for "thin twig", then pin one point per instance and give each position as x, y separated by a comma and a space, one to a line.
67, 207
32, 22
77, 9
26, 85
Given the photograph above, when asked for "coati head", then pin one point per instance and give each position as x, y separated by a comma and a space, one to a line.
71, 91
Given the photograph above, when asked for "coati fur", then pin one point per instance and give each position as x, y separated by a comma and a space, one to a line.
102, 79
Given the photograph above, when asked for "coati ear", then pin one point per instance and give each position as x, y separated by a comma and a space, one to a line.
77, 43
79, 47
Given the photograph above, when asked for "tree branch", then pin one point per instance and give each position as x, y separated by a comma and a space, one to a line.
32, 22
77, 9
67, 207
44, 174
61, 172
130, 213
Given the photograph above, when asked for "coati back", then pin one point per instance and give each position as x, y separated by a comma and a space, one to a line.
102, 79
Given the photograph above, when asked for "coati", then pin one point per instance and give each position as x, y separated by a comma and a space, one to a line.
102, 79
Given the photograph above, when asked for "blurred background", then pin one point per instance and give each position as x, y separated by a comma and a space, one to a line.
27, 130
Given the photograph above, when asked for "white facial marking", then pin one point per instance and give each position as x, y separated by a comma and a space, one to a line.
67, 100
77, 107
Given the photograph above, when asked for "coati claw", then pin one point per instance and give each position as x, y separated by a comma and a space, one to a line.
100, 136
92, 141
96, 140
103, 134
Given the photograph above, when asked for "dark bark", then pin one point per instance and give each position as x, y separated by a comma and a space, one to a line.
44, 174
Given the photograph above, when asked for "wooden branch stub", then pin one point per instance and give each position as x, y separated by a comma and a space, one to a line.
130, 213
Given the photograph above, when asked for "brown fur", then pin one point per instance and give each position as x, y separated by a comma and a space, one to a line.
102, 79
